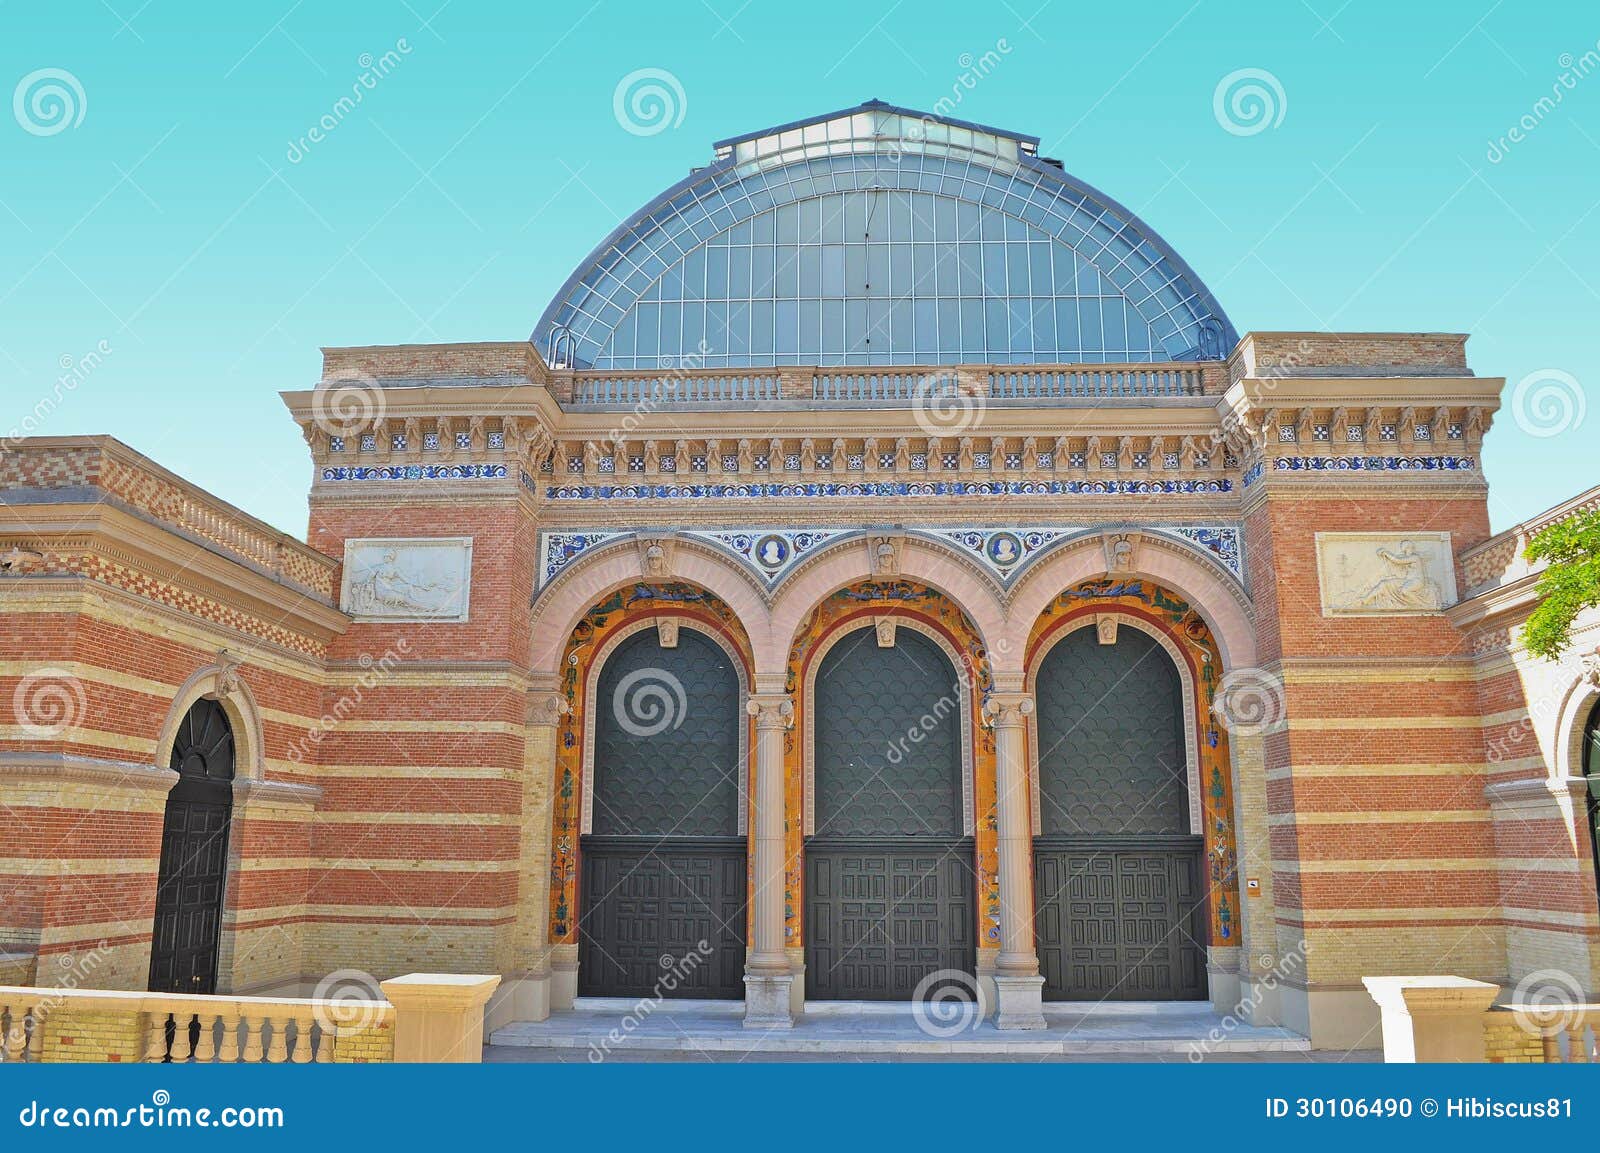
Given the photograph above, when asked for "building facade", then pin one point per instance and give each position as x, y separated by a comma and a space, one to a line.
885, 567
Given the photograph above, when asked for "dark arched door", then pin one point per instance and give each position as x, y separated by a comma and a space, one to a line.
194, 855
663, 884
1591, 771
1117, 873
889, 876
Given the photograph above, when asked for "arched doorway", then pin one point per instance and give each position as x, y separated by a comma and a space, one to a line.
1591, 772
663, 858
1118, 878
194, 854
889, 876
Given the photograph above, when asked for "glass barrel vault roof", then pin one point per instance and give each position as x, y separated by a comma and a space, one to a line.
880, 236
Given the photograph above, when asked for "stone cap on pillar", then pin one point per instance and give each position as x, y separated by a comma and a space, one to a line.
1437, 994
439, 991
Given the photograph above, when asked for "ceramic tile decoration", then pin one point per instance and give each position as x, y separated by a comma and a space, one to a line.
417, 472
1003, 550
407, 579
558, 549
770, 551
976, 488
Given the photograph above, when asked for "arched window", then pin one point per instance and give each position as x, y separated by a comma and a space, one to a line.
881, 236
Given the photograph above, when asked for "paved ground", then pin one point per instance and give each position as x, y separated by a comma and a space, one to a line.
599, 1029
520, 1053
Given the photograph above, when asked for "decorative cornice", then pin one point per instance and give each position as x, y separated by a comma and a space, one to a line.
50, 768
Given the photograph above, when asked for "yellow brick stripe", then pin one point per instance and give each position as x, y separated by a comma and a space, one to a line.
1389, 817
1396, 769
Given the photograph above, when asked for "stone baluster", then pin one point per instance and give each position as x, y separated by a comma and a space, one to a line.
1018, 985
303, 1021
1578, 1043
181, 1045
155, 1039
229, 1050
252, 1040
278, 1051
327, 1039
768, 979
16, 1041
206, 1050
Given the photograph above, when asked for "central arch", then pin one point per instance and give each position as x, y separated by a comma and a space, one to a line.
1118, 851
889, 855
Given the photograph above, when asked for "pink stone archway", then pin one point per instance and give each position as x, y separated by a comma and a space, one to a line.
848, 562
616, 565
1173, 564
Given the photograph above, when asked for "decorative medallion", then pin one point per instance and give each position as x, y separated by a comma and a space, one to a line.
770, 551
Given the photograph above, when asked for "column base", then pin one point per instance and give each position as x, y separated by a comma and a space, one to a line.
766, 1001
520, 997
1020, 1002
563, 977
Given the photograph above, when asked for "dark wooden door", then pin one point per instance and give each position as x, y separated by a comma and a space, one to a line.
1120, 922
663, 877
882, 917
657, 908
1118, 885
890, 888
194, 855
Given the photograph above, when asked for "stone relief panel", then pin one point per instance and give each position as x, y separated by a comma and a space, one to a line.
407, 579
1385, 573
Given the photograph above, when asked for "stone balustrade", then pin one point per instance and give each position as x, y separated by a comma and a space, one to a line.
424, 1018
1454, 1019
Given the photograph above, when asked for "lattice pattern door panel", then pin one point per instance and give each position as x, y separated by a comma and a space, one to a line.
666, 746
1111, 757
872, 778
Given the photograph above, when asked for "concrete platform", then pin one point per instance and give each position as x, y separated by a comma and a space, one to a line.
602, 1027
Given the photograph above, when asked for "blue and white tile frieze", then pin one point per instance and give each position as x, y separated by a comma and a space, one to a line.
1364, 464
559, 549
731, 492
1003, 550
771, 551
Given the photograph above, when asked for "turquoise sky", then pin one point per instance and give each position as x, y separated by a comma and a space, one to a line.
165, 221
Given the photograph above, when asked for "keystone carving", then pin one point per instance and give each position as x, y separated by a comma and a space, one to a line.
884, 555
656, 555
1122, 550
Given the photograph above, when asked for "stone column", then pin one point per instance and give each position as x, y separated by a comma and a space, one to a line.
767, 977
525, 994
1018, 985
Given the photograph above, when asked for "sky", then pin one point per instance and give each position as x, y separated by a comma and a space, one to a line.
175, 247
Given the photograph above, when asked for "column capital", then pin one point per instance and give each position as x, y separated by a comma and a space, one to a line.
771, 710
1009, 709
546, 707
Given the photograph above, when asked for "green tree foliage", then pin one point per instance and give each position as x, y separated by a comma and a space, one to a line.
1570, 585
